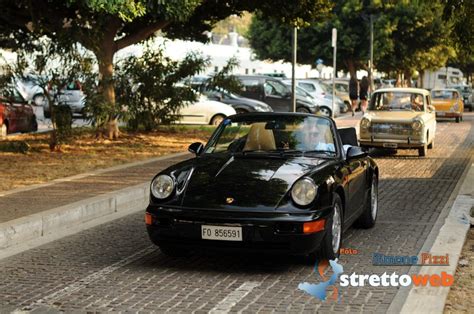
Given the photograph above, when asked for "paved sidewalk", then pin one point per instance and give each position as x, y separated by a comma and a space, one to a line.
29, 201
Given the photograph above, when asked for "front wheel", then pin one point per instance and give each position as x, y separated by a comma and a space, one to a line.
33, 124
331, 243
369, 216
325, 111
302, 110
422, 151
40, 100
217, 119
458, 119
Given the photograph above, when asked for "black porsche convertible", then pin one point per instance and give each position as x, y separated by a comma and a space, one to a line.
266, 182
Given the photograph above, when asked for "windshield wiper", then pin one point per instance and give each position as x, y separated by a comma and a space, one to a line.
320, 152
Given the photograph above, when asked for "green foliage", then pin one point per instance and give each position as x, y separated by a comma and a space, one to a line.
420, 38
271, 39
224, 78
154, 97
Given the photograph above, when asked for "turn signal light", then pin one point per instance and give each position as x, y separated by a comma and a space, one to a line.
148, 219
314, 226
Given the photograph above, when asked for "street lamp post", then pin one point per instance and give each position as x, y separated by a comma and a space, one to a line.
293, 70
334, 72
371, 57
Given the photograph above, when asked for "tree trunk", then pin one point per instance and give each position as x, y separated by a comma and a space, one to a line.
352, 68
105, 58
421, 73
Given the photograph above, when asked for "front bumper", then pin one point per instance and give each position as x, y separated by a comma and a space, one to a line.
269, 233
406, 142
448, 114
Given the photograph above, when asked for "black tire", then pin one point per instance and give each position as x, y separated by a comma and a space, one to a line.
470, 108
325, 111
458, 119
369, 216
33, 124
173, 251
217, 119
302, 110
328, 250
422, 151
40, 100
431, 145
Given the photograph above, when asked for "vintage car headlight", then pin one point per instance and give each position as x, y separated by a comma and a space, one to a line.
162, 186
365, 123
304, 191
417, 125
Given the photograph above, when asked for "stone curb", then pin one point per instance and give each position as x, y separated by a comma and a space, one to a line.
450, 239
71, 218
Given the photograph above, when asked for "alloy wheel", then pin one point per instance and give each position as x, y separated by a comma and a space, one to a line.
373, 198
336, 229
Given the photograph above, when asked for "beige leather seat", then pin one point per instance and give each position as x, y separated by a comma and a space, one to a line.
259, 138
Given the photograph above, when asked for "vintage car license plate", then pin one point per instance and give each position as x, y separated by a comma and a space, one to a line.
224, 233
390, 145
441, 114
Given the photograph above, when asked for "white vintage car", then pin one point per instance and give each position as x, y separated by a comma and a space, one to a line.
205, 111
399, 118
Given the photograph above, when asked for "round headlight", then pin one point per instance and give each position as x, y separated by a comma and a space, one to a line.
365, 123
162, 186
416, 125
304, 191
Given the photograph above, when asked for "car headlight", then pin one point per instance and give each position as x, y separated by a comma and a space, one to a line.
162, 186
417, 125
304, 191
261, 108
365, 123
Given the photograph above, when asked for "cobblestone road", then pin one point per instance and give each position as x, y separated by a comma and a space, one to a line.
114, 266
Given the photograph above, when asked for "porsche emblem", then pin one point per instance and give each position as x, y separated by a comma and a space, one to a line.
229, 200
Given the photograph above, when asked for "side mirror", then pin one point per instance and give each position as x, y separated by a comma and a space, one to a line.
355, 152
196, 148
431, 108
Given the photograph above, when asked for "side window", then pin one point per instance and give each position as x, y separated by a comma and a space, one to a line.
274, 88
308, 86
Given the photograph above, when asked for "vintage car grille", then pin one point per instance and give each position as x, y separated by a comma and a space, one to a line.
391, 128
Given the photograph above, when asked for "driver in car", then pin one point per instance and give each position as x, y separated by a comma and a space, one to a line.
316, 137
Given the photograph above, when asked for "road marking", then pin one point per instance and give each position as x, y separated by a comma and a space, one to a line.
83, 282
234, 297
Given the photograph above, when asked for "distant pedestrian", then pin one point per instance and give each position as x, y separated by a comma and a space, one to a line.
353, 93
364, 93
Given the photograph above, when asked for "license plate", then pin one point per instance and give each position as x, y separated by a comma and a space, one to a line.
223, 233
390, 145
441, 114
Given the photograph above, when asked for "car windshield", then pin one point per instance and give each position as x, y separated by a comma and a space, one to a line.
397, 101
443, 94
274, 135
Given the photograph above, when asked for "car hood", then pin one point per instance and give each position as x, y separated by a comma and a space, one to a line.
247, 182
393, 116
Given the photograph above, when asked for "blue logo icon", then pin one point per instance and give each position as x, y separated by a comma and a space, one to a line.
319, 290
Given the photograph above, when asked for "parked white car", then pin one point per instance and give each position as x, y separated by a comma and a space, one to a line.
205, 111
321, 96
